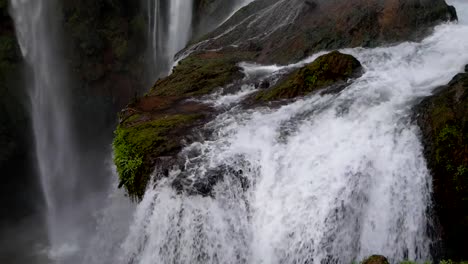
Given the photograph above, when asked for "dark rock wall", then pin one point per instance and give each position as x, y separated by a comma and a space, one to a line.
287, 31
443, 119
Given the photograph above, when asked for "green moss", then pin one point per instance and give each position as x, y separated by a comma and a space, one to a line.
201, 73
324, 71
132, 118
135, 146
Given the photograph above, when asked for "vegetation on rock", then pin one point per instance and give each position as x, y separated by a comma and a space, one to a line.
201, 73
136, 145
443, 119
331, 68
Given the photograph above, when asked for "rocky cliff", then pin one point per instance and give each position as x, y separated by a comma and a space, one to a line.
443, 119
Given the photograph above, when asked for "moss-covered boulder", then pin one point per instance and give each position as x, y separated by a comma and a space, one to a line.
334, 68
201, 73
443, 119
140, 140
155, 125
376, 259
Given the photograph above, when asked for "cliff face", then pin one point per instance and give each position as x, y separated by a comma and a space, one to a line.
106, 47
210, 13
443, 119
286, 31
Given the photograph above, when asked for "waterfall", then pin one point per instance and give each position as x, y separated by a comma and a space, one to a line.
69, 203
169, 30
327, 179
50, 113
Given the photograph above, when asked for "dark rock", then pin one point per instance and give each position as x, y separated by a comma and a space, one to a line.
443, 119
452, 13
209, 13
204, 184
311, 4
466, 68
292, 30
332, 69
376, 259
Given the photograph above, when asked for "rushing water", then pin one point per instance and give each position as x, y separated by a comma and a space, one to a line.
70, 187
327, 178
169, 30
55, 149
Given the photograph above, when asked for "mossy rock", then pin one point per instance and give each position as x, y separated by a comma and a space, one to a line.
137, 144
201, 73
326, 70
443, 119
376, 259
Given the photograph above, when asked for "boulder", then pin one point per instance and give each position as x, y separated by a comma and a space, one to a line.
443, 119
376, 259
151, 132
332, 69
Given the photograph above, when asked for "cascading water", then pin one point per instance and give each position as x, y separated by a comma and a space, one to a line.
70, 199
327, 179
50, 114
169, 30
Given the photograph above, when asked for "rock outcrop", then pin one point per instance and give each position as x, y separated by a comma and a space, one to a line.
376, 259
443, 119
287, 31
332, 69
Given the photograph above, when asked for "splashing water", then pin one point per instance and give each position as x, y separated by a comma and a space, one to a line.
327, 179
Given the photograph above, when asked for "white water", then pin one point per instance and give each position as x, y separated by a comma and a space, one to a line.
70, 192
55, 150
327, 178
169, 31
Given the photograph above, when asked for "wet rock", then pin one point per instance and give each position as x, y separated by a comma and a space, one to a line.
209, 13
332, 69
291, 30
201, 73
443, 119
204, 184
376, 259
142, 141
